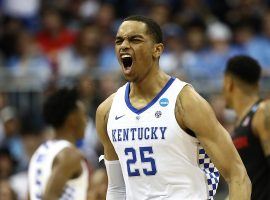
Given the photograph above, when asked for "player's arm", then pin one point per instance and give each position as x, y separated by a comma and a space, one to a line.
67, 165
116, 185
261, 126
194, 113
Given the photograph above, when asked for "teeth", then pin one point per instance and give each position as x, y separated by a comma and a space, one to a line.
125, 56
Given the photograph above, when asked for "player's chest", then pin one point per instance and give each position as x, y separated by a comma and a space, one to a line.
150, 128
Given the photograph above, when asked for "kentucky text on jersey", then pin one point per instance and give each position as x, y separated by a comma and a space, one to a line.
142, 133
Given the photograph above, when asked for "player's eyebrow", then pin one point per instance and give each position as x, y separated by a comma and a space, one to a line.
130, 37
136, 35
118, 38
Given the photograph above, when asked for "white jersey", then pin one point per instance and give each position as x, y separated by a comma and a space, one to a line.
40, 170
159, 160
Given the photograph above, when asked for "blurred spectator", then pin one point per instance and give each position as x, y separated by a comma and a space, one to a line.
244, 31
255, 45
3, 103
8, 36
245, 9
108, 84
26, 10
195, 35
98, 185
28, 67
193, 9
59, 4
31, 128
266, 24
210, 63
53, 36
195, 44
21, 9
264, 59
108, 61
219, 8
6, 192
160, 12
107, 24
12, 139
78, 11
172, 55
82, 56
105, 17
31, 132
90, 143
89, 9
7, 163
87, 90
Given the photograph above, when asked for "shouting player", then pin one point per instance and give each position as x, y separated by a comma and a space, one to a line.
156, 129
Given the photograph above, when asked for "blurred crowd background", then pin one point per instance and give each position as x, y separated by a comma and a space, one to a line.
47, 44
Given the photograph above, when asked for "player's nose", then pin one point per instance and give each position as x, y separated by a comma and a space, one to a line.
125, 45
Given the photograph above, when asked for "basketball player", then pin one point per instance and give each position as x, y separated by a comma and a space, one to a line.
57, 169
251, 135
156, 129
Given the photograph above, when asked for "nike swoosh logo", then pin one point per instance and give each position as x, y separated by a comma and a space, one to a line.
118, 117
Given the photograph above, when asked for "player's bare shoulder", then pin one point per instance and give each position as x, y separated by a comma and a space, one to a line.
186, 100
69, 156
262, 117
194, 111
264, 106
188, 96
179, 110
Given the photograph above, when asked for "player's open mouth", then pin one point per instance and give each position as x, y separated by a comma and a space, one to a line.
127, 61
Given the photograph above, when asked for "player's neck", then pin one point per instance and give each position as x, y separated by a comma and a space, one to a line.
151, 85
64, 134
243, 103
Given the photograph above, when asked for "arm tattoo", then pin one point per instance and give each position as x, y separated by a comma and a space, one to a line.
267, 116
179, 107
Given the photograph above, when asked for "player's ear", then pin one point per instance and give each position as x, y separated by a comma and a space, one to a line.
71, 119
231, 83
227, 82
158, 49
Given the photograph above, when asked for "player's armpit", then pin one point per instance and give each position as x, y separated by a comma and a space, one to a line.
196, 114
67, 165
261, 125
102, 115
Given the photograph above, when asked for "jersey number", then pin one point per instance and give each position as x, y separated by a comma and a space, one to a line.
144, 159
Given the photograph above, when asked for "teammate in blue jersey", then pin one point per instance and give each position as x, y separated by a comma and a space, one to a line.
156, 129
57, 169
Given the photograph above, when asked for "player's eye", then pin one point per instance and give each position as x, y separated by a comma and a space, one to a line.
118, 41
135, 40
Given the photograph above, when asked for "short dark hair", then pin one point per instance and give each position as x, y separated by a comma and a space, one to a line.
59, 105
152, 26
245, 68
